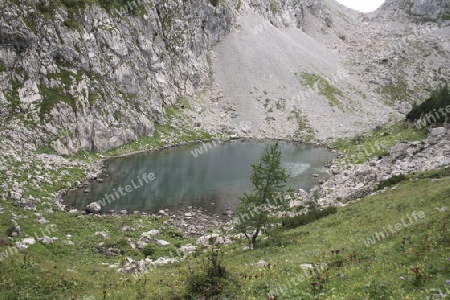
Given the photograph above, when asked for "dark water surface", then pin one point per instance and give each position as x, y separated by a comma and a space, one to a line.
213, 180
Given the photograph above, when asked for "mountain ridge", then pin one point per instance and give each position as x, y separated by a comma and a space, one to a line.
87, 79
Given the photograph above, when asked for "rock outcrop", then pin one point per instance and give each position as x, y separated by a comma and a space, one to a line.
359, 181
90, 78
422, 10
83, 77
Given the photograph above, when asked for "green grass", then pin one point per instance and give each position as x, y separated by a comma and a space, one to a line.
93, 98
358, 271
446, 16
89, 157
419, 253
304, 130
326, 89
396, 92
75, 6
13, 98
51, 97
165, 134
64, 76
59, 271
72, 24
274, 7
376, 143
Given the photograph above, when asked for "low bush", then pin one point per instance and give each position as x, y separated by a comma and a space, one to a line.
307, 218
392, 181
4, 241
154, 252
434, 108
435, 174
210, 279
214, 2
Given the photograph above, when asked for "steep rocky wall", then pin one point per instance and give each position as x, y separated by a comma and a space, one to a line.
92, 79
289, 12
82, 77
418, 10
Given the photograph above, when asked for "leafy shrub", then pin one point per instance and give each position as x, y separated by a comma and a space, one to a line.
173, 233
211, 279
307, 218
439, 99
4, 241
214, 2
149, 249
72, 24
153, 251
436, 174
392, 181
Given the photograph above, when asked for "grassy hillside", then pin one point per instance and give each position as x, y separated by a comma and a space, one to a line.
407, 263
377, 142
407, 256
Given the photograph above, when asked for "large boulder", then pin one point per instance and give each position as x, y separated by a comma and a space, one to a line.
436, 134
399, 151
162, 243
212, 239
93, 208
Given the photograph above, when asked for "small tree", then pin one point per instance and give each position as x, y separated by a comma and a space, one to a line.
269, 186
214, 2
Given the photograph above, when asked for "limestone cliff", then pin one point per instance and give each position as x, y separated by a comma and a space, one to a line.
415, 10
92, 78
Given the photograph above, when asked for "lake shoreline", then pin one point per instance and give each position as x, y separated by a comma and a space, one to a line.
179, 212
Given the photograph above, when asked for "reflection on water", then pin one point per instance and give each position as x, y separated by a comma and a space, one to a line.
213, 180
295, 169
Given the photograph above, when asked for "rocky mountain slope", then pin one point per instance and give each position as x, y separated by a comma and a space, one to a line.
423, 10
79, 76
90, 78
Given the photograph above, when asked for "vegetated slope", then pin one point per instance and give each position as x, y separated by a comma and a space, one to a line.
432, 110
406, 262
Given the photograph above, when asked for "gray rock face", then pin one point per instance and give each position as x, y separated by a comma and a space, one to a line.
290, 12
417, 9
93, 208
358, 181
432, 9
95, 80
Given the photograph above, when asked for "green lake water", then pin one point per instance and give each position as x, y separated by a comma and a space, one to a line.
213, 180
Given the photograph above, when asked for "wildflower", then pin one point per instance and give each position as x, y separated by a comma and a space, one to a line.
402, 278
447, 282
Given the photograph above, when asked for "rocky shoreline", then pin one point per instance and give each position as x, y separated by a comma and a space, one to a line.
193, 222
343, 185
358, 181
